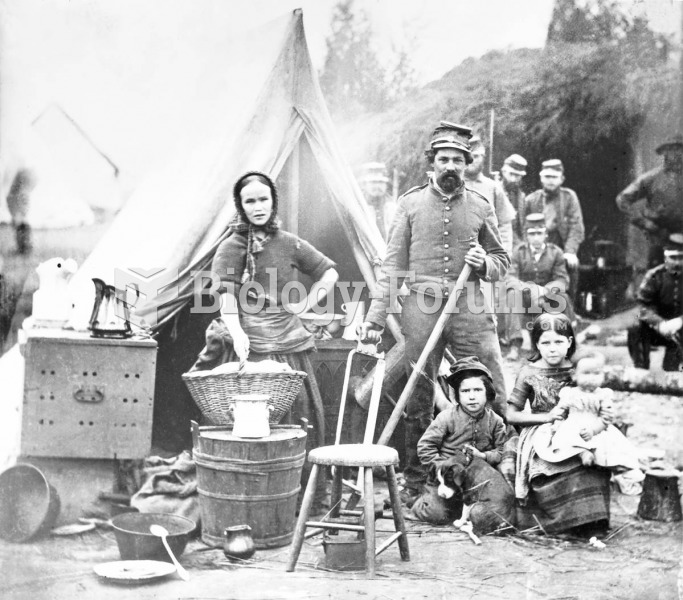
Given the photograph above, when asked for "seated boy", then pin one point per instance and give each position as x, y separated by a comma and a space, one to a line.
468, 425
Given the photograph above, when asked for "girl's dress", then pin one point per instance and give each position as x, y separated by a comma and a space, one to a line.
560, 495
561, 440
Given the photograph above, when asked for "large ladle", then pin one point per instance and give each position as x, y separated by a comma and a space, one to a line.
162, 532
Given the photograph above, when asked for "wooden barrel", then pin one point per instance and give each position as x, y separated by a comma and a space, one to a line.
249, 481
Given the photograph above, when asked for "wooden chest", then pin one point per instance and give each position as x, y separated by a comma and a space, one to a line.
86, 397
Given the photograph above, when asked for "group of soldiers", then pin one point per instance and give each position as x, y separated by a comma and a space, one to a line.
543, 231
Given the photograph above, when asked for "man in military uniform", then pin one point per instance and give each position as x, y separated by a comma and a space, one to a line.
374, 183
491, 190
440, 227
659, 322
511, 174
538, 281
563, 216
662, 190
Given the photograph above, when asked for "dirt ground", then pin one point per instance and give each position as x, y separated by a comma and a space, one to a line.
642, 559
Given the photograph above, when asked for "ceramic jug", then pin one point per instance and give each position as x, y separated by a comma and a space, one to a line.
51, 301
238, 543
251, 413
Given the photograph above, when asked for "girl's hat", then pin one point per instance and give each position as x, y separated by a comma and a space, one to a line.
462, 370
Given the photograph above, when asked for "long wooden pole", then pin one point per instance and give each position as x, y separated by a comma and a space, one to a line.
422, 361
491, 130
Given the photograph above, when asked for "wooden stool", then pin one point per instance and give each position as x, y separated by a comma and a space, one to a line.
661, 500
365, 457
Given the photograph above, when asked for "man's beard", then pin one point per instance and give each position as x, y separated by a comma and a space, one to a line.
512, 186
449, 182
673, 266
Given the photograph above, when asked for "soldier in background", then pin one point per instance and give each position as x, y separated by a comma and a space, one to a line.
18, 200
563, 216
492, 191
505, 213
659, 321
511, 174
662, 191
375, 184
539, 277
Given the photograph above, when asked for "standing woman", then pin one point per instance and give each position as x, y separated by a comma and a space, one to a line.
562, 495
258, 322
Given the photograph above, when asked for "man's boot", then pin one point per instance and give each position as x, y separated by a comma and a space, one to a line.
638, 347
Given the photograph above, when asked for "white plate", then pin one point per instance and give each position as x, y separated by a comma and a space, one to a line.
73, 529
134, 571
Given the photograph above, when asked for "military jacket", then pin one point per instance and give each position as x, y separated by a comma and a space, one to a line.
430, 236
660, 295
663, 194
563, 217
548, 271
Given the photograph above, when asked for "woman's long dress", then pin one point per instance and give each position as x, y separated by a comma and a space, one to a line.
274, 333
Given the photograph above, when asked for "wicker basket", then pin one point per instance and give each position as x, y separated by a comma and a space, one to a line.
214, 394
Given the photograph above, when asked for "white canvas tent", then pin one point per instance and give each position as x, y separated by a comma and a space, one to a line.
270, 106
267, 113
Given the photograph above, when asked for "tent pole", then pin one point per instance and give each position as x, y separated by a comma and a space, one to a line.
294, 189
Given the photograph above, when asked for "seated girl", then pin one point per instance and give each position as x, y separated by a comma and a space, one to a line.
564, 495
468, 426
586, 431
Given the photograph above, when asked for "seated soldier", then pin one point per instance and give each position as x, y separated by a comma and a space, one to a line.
537, 282
659, 320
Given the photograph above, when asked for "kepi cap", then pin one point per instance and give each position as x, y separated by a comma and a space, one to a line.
534, 221
552, 164
374, 171
452, 135
476, 143
672, 142
516, 164
674, 245
463, 369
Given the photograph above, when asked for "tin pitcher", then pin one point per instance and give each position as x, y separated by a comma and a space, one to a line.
110, 316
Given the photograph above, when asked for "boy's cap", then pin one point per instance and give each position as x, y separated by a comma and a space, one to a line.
534, 221
460, 369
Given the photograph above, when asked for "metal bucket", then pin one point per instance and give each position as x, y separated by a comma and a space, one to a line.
252, 482
29, 505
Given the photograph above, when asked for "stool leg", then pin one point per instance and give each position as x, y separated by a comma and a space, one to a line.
369, 518
336, 495
396, 509
298, 540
